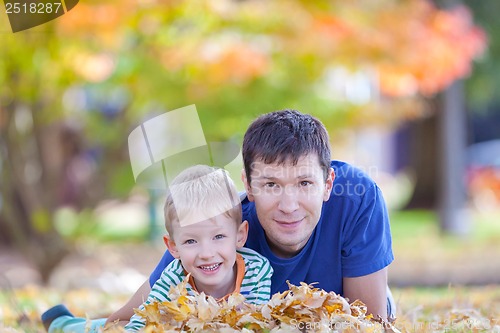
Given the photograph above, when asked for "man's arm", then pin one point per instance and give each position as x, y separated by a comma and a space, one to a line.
371, 289
125, 312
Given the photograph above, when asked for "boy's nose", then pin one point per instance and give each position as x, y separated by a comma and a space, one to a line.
206, 251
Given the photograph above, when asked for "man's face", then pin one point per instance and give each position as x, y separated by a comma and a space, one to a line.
288, 199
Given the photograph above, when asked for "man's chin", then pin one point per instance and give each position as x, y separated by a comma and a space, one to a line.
287, 247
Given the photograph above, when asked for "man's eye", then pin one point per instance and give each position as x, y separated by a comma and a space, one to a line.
305, 183
219, 236
270, 184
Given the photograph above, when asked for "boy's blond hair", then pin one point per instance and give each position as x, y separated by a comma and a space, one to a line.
199, 193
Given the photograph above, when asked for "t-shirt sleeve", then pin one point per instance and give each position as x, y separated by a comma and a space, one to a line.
256, 286
367, 244
261, 293
164, 261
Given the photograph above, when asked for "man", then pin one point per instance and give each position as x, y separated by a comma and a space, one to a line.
316, 220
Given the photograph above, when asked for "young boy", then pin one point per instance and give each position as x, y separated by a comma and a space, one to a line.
206, 238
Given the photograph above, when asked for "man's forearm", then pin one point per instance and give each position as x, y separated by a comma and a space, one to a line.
370, 289
127, 311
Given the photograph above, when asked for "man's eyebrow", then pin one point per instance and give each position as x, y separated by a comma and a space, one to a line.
264, 176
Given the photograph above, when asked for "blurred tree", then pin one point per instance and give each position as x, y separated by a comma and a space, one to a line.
31, 160
427, 133
105, 66
483, 87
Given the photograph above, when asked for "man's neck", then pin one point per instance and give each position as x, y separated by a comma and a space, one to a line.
287, 252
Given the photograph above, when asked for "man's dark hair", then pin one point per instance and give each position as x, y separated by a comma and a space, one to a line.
285, 136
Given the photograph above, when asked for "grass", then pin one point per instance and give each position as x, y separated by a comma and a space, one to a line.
453, 266
425, 256
439, 309
20, 309
415, 224
415, 232
451, 309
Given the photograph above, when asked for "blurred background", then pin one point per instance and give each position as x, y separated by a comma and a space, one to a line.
408, 89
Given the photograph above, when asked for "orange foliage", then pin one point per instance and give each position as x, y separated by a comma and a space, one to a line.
415, 47
90, 18
236, 63
442, 49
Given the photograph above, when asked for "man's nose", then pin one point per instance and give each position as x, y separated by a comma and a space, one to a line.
288, 200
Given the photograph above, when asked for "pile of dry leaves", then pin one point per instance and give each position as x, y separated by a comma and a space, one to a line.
299, 309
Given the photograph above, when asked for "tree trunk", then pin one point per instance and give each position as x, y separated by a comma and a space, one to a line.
27, 191
453, 140
424, 161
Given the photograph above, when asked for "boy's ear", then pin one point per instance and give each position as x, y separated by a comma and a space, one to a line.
242, 234
172, 248
247, 185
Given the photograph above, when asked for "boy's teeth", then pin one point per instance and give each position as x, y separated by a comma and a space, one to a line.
210, 268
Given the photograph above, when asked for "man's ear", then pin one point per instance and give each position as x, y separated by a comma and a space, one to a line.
329, 184
172, 248
242, 234
248, 189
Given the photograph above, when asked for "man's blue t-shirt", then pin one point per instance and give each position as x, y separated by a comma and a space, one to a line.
352, 237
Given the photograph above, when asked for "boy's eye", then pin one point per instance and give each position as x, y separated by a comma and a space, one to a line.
190, 241
220, 236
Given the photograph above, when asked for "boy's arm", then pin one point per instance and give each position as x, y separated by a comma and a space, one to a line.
127, 311
371, 289
172, 275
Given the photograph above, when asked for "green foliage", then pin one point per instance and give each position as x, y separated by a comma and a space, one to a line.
484, 84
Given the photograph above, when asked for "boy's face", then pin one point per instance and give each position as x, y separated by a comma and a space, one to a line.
288, 199
207, 250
